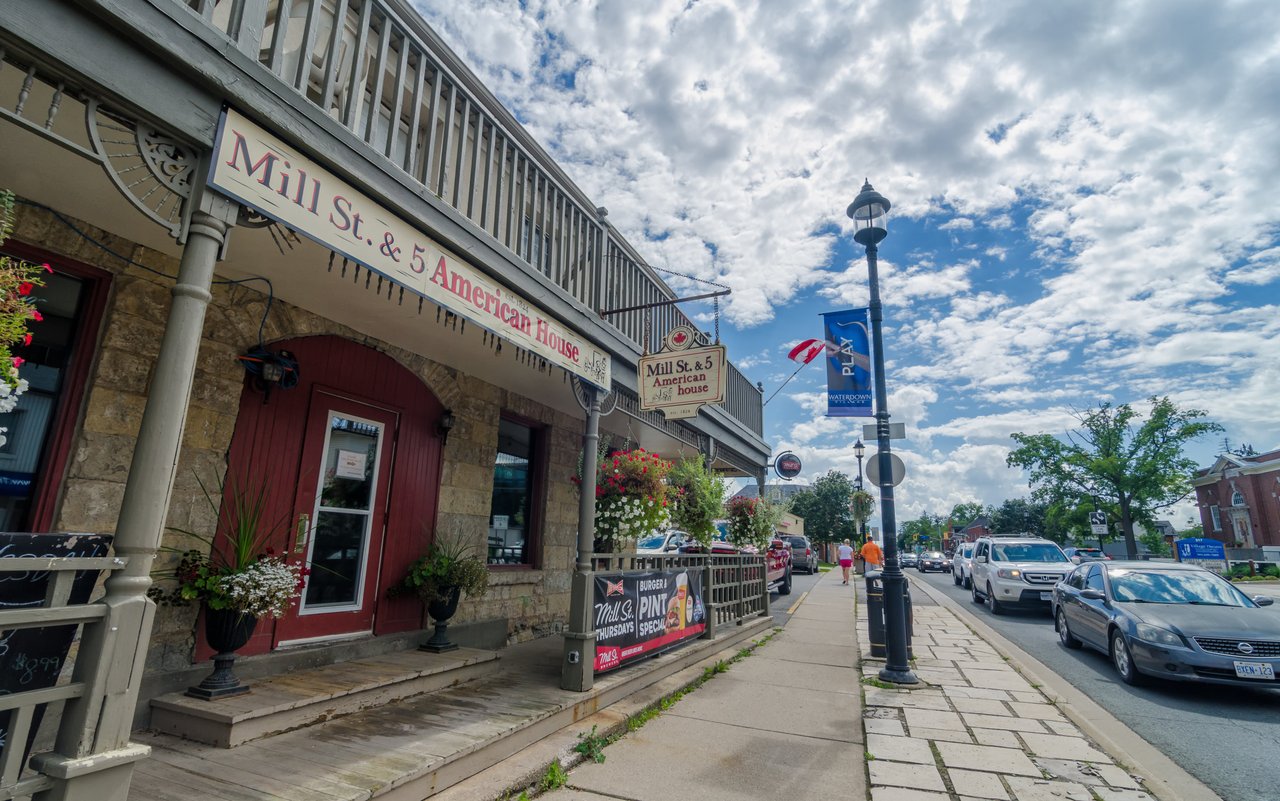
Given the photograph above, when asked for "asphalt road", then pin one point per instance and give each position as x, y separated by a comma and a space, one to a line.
781, 605
1227, 737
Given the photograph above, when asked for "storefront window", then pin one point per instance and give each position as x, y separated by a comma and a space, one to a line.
513, 513
28, 426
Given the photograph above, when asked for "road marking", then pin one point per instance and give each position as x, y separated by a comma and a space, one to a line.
799, 601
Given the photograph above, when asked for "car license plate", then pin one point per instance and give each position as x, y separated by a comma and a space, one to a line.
1046, 596
1255, 670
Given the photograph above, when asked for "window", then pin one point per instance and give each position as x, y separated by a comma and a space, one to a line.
513, 514
1076, 579
1217, 518
1094, 580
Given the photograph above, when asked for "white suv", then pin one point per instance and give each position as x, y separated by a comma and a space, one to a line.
961, 565
1016, 570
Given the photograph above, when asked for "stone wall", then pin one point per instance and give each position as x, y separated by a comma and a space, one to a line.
534, 602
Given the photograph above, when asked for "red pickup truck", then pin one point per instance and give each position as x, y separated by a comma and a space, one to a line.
777, 560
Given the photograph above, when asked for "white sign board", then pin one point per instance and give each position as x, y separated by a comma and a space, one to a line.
351, 464
896, 431
683, 380
263, 172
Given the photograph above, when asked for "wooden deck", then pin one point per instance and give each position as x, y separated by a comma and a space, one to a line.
408, 749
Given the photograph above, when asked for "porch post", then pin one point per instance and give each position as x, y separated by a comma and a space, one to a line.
93, 759
578, 669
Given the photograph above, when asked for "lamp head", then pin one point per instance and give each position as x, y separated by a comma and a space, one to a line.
870, 214
859, 449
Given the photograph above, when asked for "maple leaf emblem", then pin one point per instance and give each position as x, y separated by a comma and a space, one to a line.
679, 338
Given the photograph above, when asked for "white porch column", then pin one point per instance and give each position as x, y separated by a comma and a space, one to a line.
93, 759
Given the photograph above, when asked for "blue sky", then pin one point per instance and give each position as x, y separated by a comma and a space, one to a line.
1085, 203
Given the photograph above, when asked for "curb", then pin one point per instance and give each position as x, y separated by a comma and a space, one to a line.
1162, 777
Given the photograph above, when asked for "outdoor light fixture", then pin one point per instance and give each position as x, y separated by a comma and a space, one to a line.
858, 450
445, 425
269, 370
870, 214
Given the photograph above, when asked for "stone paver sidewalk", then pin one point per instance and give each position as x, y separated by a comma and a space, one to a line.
978, 731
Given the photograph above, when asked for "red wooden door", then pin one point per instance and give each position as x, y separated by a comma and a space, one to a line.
343, 478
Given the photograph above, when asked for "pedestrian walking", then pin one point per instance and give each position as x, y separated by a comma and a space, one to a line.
872, 554
845, 554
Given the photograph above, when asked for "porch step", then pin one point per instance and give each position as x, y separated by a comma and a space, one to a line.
307, 697
414, 748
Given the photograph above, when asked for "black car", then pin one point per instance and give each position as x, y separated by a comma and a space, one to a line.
1169, 620
907, 560
932, 560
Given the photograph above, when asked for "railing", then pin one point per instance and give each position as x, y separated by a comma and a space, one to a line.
104, 663
378, 70
733, 586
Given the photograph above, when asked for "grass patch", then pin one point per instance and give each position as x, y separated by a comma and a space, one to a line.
872, 681
554, 778
591, 745
870, 756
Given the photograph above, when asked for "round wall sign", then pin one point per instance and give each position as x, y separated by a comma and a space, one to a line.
787, 465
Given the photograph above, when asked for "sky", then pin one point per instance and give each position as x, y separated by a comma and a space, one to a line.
1086, 199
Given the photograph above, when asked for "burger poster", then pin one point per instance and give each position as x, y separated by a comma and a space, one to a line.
639, 614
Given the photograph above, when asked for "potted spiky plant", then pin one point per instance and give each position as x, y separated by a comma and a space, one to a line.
439, 578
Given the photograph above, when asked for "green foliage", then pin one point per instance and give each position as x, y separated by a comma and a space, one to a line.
554, 778
862, 505
927, 525
825, 508
1154, 541
1271, 571
448, 563
591, 745
1138, 467
699, 498
17, 306
631, 497
752, 522
1018, 516
962, 514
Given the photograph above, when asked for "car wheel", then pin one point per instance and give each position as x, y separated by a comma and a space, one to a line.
996, 607
1065, 636
955, 578
973, 593
1123, 660
966, 580
785, 587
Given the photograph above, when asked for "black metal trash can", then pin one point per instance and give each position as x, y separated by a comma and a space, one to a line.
875, 613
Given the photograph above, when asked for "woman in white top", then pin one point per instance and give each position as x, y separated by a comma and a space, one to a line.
845, 555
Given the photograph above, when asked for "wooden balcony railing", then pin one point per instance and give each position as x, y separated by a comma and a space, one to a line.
375, 67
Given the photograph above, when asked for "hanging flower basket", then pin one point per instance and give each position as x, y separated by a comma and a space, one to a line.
18, 280
631, 497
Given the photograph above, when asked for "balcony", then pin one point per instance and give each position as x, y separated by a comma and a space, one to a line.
377, 69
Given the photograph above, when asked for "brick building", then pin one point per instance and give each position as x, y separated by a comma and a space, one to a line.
1239, 499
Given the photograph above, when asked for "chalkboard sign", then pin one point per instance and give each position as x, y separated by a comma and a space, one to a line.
31, 659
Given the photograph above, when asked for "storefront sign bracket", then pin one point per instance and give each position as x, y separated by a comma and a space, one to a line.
669, 302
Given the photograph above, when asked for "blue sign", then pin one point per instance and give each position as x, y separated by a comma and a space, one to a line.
1201, 548
848, 363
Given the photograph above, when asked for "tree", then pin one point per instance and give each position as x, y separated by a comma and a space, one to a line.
925, 530
962, 514
1138, 467
1018, 516
825, 508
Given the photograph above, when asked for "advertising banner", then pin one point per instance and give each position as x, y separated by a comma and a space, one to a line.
848, 363
639, 614
263, 172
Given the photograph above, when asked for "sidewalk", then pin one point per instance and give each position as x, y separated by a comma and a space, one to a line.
784, 723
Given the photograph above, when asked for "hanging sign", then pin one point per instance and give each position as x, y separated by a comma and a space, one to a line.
787, 465
848, 363
680, 382
263, 172
638, 614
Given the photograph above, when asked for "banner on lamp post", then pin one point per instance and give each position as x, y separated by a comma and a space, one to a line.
848, 363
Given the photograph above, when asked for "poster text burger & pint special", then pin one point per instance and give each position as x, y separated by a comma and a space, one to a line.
256, 168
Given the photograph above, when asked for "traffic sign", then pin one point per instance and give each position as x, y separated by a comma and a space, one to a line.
1098, 522
897, 471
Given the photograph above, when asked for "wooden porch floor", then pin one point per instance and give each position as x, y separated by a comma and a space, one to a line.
409, 749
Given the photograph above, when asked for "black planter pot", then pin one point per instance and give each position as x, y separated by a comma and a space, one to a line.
440, 612
226, 632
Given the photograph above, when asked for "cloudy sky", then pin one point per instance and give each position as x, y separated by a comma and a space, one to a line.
1086, 197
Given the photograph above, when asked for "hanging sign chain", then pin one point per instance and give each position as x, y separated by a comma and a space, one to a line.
715, 299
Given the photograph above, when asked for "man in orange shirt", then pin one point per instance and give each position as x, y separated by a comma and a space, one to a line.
872, 555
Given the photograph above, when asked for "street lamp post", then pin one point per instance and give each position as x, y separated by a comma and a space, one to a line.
869, 212
859, 450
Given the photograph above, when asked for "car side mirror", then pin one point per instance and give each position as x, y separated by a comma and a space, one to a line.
1092, 595
1263, 600
1075, 560
982, 560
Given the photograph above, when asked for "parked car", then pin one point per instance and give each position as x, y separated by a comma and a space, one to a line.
931, 560
1079, 555
907, 559
803, 555
777, 559
961, 561
662, 542
1016, 570
1170, 620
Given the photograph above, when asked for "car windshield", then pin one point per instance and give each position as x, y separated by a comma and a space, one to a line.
1173, 587
652, 542
796, 542
1027, 552
932, 555
966, 551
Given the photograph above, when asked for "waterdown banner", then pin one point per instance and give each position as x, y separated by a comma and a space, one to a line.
639, 614
848, 363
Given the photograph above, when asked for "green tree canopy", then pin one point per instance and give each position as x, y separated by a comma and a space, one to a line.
925, 530
1138, 467
825, 508
962, 514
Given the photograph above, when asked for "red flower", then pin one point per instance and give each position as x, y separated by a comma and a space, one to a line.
47, 268
17, 362
26, 340
25, 288
37, 316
